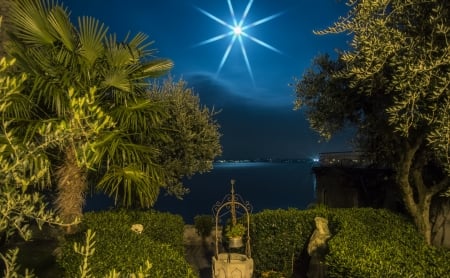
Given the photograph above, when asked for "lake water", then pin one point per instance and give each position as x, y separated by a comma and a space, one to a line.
265, 185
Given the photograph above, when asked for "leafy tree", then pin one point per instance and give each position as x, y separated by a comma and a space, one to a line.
18, 169
393, 86
87, 91
193, 132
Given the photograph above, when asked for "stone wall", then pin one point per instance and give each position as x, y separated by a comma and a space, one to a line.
345, 187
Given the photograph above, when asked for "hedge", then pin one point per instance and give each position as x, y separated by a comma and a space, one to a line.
279, 237
378, 243
118, 247
365, 242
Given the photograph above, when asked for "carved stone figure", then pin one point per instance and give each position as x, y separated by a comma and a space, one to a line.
317, 248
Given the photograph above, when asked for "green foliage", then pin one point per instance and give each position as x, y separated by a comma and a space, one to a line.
119, 247
392, 87
364, 243
279, 236
87, 250
18, 209
327, 99
192, 130
204, 224
22, 164
159, 226
84, 93
236, 230
401, 48
12, 269
378, 243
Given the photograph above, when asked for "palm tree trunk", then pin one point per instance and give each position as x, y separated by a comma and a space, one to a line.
71, 187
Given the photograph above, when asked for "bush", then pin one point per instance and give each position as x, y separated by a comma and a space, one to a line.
203, 224
279, 237
365, 242
118, 247
378, 243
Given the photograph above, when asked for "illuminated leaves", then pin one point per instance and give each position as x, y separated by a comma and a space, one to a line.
403, 48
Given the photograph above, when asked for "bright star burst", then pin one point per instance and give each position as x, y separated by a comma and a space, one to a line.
237, 31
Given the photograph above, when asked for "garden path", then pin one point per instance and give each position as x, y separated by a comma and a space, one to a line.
199, 251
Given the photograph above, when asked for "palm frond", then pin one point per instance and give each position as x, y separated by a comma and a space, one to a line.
51, 95
156, 68
30, 22
122, 151
59, 20
91, 34
141, 115
101, 146
117, 78
138, 45
118, 54
15, 106
130, 183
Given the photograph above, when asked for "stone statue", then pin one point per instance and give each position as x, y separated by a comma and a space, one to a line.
317, 248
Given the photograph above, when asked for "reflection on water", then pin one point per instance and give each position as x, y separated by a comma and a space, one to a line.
265, 185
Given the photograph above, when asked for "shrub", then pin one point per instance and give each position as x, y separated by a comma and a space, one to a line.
279, 237
365, 242
378, 243
159, 226
236, 230
203, 224
119, 247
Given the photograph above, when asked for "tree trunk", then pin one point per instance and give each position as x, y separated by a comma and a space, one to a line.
419, 212
71, 187
422, 219
417, 195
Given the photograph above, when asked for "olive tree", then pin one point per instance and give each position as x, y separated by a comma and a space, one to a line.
393, 86
194, 138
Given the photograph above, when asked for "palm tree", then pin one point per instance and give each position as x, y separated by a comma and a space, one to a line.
88, 90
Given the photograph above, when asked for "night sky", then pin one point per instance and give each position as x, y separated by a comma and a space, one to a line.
252, 91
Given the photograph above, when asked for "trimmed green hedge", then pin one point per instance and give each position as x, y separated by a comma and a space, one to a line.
365, 242
279, 237
378, 243
118, 247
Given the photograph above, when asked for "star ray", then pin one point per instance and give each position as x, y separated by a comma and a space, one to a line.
247, 62
230, 7
215, 18
237, 33
213, 39
247, 10
261, 21
260, 42
225, 55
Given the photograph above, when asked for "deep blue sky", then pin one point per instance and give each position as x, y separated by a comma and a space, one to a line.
257, 120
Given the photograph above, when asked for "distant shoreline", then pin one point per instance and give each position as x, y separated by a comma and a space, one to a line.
265, 160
